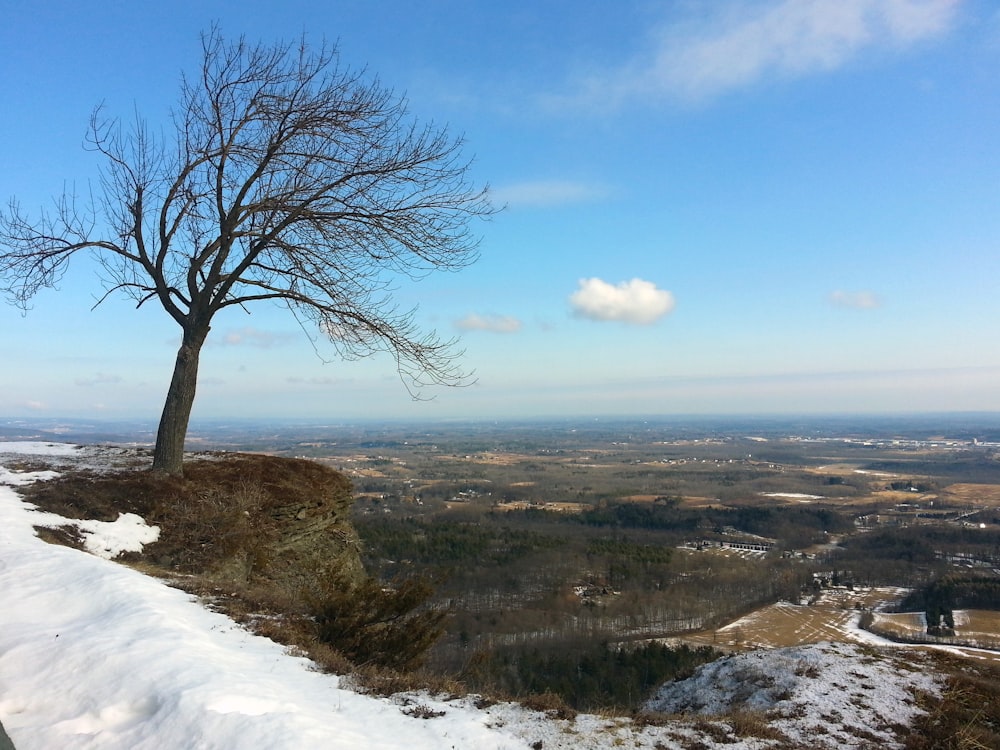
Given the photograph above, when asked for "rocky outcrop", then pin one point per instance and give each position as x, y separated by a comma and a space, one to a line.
277, 519
232, 519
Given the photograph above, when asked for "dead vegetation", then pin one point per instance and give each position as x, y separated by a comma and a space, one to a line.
967, 714
267, 541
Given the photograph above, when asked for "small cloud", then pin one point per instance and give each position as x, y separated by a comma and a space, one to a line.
249, 336
35, 405
491, 323
315, 381
634, 301
100, 378
863, 300
546, 193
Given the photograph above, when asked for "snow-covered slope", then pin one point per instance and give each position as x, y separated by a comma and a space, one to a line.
847, 690
96, 655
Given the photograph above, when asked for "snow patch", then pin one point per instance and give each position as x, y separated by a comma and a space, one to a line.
852, 691
17, 478
39, 449
108, 539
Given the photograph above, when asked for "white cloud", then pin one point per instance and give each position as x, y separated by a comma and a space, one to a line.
491, 323
742, 42
634, 301
316, 381
100, 378
545, 193
249, 336
863, 300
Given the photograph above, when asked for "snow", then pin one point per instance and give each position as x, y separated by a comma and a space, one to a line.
96, 655
794, 685
39, 449
108, 539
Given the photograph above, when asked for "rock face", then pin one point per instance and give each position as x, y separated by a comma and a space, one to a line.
279, 519
233, 519
5, 743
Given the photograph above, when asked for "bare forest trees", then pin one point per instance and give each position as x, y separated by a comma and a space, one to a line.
286, 177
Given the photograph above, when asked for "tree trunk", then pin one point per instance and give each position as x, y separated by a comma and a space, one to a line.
168, 455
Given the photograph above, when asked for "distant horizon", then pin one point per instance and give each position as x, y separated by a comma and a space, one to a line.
246, 421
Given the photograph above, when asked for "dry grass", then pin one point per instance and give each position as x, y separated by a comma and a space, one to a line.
754, 724
967, 715
973, 629
265, 540
549, 703
899, 624
973, 494
780, 625
221, 507
372, 680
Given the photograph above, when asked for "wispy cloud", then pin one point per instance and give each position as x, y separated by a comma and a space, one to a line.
316, 381
742, 42
863, 300
249, 336
636, 301
101, 378
490, 323
546, 193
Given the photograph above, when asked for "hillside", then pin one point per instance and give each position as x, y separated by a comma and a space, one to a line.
94, 654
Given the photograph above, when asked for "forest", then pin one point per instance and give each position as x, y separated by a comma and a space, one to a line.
557, 551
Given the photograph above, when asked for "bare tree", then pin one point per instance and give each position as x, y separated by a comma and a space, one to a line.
286, 177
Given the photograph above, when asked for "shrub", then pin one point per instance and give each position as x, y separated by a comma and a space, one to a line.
372, 624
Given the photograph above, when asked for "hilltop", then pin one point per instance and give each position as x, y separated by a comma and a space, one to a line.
94, 654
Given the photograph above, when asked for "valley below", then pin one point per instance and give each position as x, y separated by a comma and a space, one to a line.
579, 567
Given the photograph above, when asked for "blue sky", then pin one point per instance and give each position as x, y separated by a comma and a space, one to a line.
736, 206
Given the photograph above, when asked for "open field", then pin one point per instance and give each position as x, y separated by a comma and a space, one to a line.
980, 495
971, 626
601, 496
901, 624
834, 617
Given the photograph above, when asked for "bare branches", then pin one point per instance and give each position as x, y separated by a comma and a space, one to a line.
287, 177
36, 252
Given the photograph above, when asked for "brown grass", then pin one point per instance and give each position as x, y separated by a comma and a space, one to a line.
967, 716
973, 494
549, 703
754, 724
265, 540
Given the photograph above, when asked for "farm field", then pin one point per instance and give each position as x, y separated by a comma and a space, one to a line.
587, 503
834, 616
987, 495
971, 626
